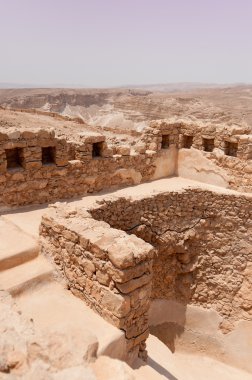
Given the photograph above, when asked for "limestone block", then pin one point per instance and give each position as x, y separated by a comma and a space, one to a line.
123, 150
18, 176
120, 255
140, 148
38, 185
91, 138
32, 165
46, 142
14, 135
89, 267
153, 146
135, 283
3, 137
103, 277
3, 166
15, 144
27, 135
2, 177
61, 161
45, 134
116, 303
121, 276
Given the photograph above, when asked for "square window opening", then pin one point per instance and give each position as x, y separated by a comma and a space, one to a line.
97, 149
48, 155
208, 145
14, 158
187, 141
231, 148
165, 142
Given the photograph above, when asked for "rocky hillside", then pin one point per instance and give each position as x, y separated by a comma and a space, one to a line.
127, 109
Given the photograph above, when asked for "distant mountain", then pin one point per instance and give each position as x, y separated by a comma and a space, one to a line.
16, 85
159, 87
181, 87
29, 85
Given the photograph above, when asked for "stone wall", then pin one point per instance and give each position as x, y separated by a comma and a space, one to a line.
37, 167
203, 246
216, 154
110, 270
232, 140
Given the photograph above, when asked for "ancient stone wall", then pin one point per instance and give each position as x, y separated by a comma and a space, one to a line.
233, 140
110, 270
203, 246
225, 157
37, 167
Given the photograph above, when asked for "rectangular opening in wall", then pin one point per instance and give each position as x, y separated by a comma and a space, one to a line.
97, 149
14, 158
208, 144
165, 142
48, 155
231, 148
187, 141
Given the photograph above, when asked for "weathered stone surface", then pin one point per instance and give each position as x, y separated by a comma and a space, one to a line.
105, 368
26, 353
133, 284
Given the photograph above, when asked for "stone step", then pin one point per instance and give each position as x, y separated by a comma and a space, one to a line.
16, 247
23, 277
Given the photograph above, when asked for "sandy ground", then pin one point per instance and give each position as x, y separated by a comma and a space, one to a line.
162, 364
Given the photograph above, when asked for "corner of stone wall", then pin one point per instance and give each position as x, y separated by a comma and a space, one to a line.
110, 270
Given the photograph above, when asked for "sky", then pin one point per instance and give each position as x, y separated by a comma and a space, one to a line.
106, 43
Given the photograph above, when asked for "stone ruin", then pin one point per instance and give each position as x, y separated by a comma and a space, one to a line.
36, 166
191, 246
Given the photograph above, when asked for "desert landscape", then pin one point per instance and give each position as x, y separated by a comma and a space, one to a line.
125, 229
130, 108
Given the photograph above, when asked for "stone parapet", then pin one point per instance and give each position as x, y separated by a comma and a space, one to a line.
226, 149
39, 167
160, 134
37, 160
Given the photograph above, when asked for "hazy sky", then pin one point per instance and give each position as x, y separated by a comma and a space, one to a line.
114, 42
